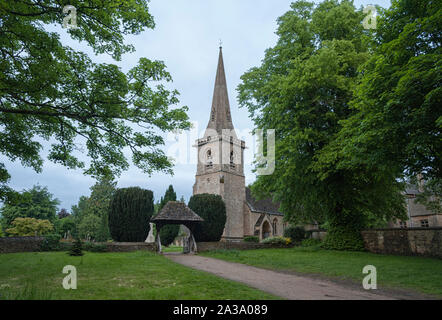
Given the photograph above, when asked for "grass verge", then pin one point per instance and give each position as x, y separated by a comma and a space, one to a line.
417, 273
133, 275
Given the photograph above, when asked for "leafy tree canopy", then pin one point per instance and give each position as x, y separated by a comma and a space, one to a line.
51, 92
302, 90
398, 99
24, 227
35, 203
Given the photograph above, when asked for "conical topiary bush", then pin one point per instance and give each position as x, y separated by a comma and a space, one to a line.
77, 248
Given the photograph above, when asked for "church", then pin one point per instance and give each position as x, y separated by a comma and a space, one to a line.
220, 170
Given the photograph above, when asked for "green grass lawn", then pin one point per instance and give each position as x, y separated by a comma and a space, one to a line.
134, 275
172, 248
417, 273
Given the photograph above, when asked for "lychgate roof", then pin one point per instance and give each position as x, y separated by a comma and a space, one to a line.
175, 211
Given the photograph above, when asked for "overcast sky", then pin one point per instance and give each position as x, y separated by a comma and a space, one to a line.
186, 38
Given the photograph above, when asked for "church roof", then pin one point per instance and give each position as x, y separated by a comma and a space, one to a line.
175, 211
220, 117
263, 206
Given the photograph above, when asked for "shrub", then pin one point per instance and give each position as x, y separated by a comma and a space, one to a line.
129, 214
64, 226
277, 240
168, 233
77, 248
311, 242
343, 232
30, 227
296, 233
251, 239
212, 209
94, 247
51, 242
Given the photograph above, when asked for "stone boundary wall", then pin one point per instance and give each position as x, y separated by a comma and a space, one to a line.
33, 244
130, 246
223, 245
406, 241
20, 244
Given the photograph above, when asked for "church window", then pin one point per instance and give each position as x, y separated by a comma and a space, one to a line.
209, 163
424, 223
275, 224
232, 160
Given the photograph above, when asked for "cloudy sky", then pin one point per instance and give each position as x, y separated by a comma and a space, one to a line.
186, 38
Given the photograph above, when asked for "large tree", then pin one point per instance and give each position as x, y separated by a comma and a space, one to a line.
37, 203
130, 211
302, 90
399, 98
91, 213
49, 91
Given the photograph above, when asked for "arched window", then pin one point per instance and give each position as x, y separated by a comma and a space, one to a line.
275, 225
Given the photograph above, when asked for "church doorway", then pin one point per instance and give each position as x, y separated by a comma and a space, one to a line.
266, 230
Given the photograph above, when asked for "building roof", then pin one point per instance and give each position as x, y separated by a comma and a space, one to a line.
220, 116
263, 206
412, 189
175, 211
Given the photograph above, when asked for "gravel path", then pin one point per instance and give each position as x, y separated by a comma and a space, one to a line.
285, 285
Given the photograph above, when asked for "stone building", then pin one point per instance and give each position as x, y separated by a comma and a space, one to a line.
418, 215
220, 170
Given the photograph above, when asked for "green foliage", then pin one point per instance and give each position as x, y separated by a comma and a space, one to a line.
1, 231
398, 120
296, 233
94, 210
89, 227
169, 232
344, 232
51, 91
129, 214
303, 90
251, 239
35, 203
277, 240
25, 227
77, 249
94, 247
65, 226
311, 242
431, 195
212, 209
51, 242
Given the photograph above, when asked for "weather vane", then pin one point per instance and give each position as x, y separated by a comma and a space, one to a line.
220, 43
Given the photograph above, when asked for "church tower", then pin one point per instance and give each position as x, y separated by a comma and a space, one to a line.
220, 167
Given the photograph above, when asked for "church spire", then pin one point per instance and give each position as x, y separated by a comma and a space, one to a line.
220, 117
